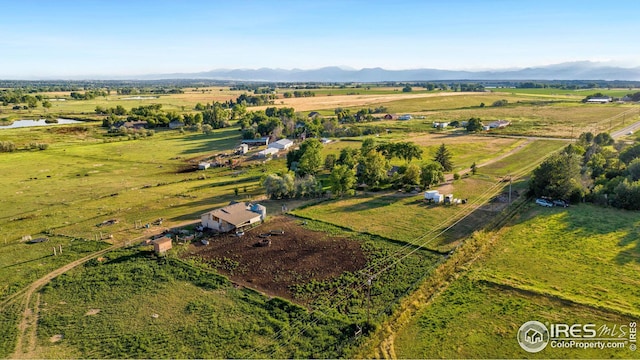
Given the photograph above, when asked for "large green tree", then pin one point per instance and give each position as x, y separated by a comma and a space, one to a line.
558, 177
474, 125
308, 159
372, 168
443, 157
342, 180
411, 175
348, 157
431, 174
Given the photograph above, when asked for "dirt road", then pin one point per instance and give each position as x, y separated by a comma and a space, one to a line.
30, 311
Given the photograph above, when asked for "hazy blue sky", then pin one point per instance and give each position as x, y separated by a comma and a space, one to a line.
111, 37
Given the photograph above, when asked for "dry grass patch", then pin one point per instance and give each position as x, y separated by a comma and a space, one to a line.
345, 101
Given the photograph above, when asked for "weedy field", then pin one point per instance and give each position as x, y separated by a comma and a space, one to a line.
550, 265
473, 319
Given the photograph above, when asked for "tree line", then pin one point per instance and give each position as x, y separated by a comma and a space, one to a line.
369, 166
594, 169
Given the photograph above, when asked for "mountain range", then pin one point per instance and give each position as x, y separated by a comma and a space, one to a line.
581, 70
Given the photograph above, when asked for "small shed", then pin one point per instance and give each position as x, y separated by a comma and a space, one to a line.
162, 245
404, 117
242, 149
267, 152
203, 166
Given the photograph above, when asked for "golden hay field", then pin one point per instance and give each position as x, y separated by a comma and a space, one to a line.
344, 101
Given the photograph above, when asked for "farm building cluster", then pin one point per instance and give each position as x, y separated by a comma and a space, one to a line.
273, 149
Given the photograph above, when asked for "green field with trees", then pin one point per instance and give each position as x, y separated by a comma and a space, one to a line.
107, 182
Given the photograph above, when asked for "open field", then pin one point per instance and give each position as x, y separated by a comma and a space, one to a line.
549, 265
579, 94
565, 253
472, 319
564, 120
78, 183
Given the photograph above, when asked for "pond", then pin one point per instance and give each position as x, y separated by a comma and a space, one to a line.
140, 98
39, 122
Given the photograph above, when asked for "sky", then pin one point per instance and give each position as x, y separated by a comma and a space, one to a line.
96, 38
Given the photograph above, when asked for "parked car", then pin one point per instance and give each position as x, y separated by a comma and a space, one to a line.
560, 203
543, 202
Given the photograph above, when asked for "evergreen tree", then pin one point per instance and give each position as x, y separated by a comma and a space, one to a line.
443, 157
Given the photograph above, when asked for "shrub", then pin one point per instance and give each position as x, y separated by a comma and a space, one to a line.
7, 146
456, 176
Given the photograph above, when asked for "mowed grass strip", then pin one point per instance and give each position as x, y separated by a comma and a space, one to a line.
403, 218
472, 319
583, 253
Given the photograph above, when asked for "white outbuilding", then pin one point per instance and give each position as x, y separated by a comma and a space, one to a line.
282, 144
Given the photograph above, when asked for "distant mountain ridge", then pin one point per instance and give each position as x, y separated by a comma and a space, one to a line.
582, 70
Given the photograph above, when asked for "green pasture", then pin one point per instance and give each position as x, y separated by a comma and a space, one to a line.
523, 160
584, 253
70, 188
566, 265
580, 94
474, 319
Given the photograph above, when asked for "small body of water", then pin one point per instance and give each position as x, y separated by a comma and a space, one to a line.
140, 98
40, 122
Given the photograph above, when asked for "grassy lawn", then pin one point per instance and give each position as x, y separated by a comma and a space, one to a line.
560, 265
584, 253
478, 320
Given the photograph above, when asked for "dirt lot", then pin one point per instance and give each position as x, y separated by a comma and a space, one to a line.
296, 257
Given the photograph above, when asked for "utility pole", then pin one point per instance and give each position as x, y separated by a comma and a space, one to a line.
509, 189
369, 299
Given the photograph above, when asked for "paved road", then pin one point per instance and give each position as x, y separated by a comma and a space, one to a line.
622, 132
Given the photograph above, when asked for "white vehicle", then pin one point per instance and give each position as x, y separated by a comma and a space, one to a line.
543, 202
